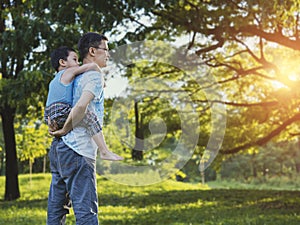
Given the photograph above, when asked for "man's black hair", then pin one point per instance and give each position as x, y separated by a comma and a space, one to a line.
88, 40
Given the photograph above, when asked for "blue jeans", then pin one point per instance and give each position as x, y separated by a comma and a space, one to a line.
74, 175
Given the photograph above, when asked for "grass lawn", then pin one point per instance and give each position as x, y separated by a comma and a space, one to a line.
165, 203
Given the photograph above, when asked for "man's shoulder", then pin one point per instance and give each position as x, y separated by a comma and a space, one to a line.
91, 76
88, 75
91, 72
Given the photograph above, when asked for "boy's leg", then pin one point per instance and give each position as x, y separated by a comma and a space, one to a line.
105, 154
91, 122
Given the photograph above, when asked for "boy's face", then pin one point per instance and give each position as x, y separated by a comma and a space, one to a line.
72, 60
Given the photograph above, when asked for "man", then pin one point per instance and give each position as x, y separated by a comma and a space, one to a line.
72, 157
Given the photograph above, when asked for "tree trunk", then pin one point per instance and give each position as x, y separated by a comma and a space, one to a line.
30, 170
44, 164
2, 164
203, 177
11, 165
253, 164
137, 151
296, 159
297, 166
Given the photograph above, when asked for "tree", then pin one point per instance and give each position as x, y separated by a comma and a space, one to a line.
18, 87
252, 48
137, 151
32, 138
29, 30
1, 153
155, 104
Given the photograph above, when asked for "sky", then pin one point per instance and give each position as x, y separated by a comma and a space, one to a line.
115, 86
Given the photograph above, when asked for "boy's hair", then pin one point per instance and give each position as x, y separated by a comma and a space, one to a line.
60, 53
88, 40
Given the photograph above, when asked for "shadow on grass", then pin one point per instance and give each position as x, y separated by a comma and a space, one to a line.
36, 203
220, 196
25, 212
220, 206
209, 215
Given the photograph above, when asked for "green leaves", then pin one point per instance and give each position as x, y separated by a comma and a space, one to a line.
32, 138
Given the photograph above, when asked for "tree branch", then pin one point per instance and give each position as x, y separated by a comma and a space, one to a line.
220, 44
275, 37
266, 138
263, 104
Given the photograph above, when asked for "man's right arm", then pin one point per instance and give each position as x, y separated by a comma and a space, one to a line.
76, 115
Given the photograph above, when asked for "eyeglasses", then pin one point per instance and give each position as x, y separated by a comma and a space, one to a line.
105, 49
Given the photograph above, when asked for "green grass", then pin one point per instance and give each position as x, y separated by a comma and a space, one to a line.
169, 203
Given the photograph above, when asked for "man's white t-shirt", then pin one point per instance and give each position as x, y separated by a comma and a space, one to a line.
78, 139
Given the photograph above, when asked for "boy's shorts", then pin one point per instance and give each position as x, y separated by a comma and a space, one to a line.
59, 113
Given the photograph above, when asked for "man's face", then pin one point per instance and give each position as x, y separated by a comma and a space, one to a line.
102, 54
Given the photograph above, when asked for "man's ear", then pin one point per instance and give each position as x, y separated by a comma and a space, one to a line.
92, 51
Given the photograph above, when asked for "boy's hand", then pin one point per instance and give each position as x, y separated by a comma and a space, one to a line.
52, 126
58, 133
53, 129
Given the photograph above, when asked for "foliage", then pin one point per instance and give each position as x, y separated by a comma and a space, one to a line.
169, 202
273, 161
29, 30
163, 94
252, 50
32, 137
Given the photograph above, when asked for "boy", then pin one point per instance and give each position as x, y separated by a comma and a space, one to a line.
59, 101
